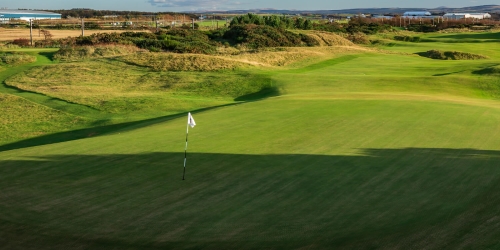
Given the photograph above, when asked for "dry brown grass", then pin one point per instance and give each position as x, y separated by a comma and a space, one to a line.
87, 52
329, 39
273, 57
331, 45
289, 56
11, 34
183, 62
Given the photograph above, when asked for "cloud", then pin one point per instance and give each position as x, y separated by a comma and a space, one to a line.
201, 4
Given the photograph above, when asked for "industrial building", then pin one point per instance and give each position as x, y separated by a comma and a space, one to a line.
418, 15
449, 16
26, 15
467, 15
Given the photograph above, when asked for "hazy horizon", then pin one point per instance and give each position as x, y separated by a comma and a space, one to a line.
220, 5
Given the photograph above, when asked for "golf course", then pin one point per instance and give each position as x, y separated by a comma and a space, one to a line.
329, 147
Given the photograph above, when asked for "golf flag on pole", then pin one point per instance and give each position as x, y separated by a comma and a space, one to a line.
191, 123
191, 120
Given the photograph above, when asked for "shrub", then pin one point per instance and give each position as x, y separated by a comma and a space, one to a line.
15, 58
366, 26
309, 41
451, 55
436, 54
423, 28
455, 55
407, 38
261, 36
495, 70
83, 52
11, 46
23, 42
46, 34
328, 26
358, 38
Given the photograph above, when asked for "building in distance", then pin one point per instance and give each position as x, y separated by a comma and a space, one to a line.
467, 15
418, 15
26, 15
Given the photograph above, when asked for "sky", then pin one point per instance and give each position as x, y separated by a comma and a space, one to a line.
207, 5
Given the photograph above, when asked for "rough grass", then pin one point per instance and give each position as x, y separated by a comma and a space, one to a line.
182, 62
21, 119
280, 57
494, 70
328, 38
116, 87
451, 55
16, 58
88, 52
9, 46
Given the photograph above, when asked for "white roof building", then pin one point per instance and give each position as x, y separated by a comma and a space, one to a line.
417, 13
26, 15
382, 17
467, 15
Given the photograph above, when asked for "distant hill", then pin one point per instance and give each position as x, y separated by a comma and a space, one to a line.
482, 8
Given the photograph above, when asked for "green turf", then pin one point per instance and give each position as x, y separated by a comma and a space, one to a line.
108, 92
374, 150
344, 173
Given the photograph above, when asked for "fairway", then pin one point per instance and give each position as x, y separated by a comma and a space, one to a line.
375, 148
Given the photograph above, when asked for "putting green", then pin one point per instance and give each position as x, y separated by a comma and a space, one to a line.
280, 173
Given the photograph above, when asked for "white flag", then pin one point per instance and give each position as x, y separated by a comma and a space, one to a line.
191, 120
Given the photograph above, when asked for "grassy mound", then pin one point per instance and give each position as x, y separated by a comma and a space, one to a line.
87, 52
262, 36
182, 62
16, 58
329, 39
123, 88
278, 57
451, 55
407, 38
495, 70
290, 56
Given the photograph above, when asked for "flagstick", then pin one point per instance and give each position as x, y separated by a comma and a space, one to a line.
185, 151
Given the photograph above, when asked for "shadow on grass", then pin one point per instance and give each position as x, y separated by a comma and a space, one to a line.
481, 36
263, 94
49, 101
48, 55
493, 70
449, 73
95, 131
377, 199
423, 54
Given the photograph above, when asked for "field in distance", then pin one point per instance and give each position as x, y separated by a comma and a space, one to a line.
12, 34
351, 148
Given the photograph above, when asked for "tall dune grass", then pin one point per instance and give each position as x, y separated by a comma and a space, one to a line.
16, 58
182, 62
87, 52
